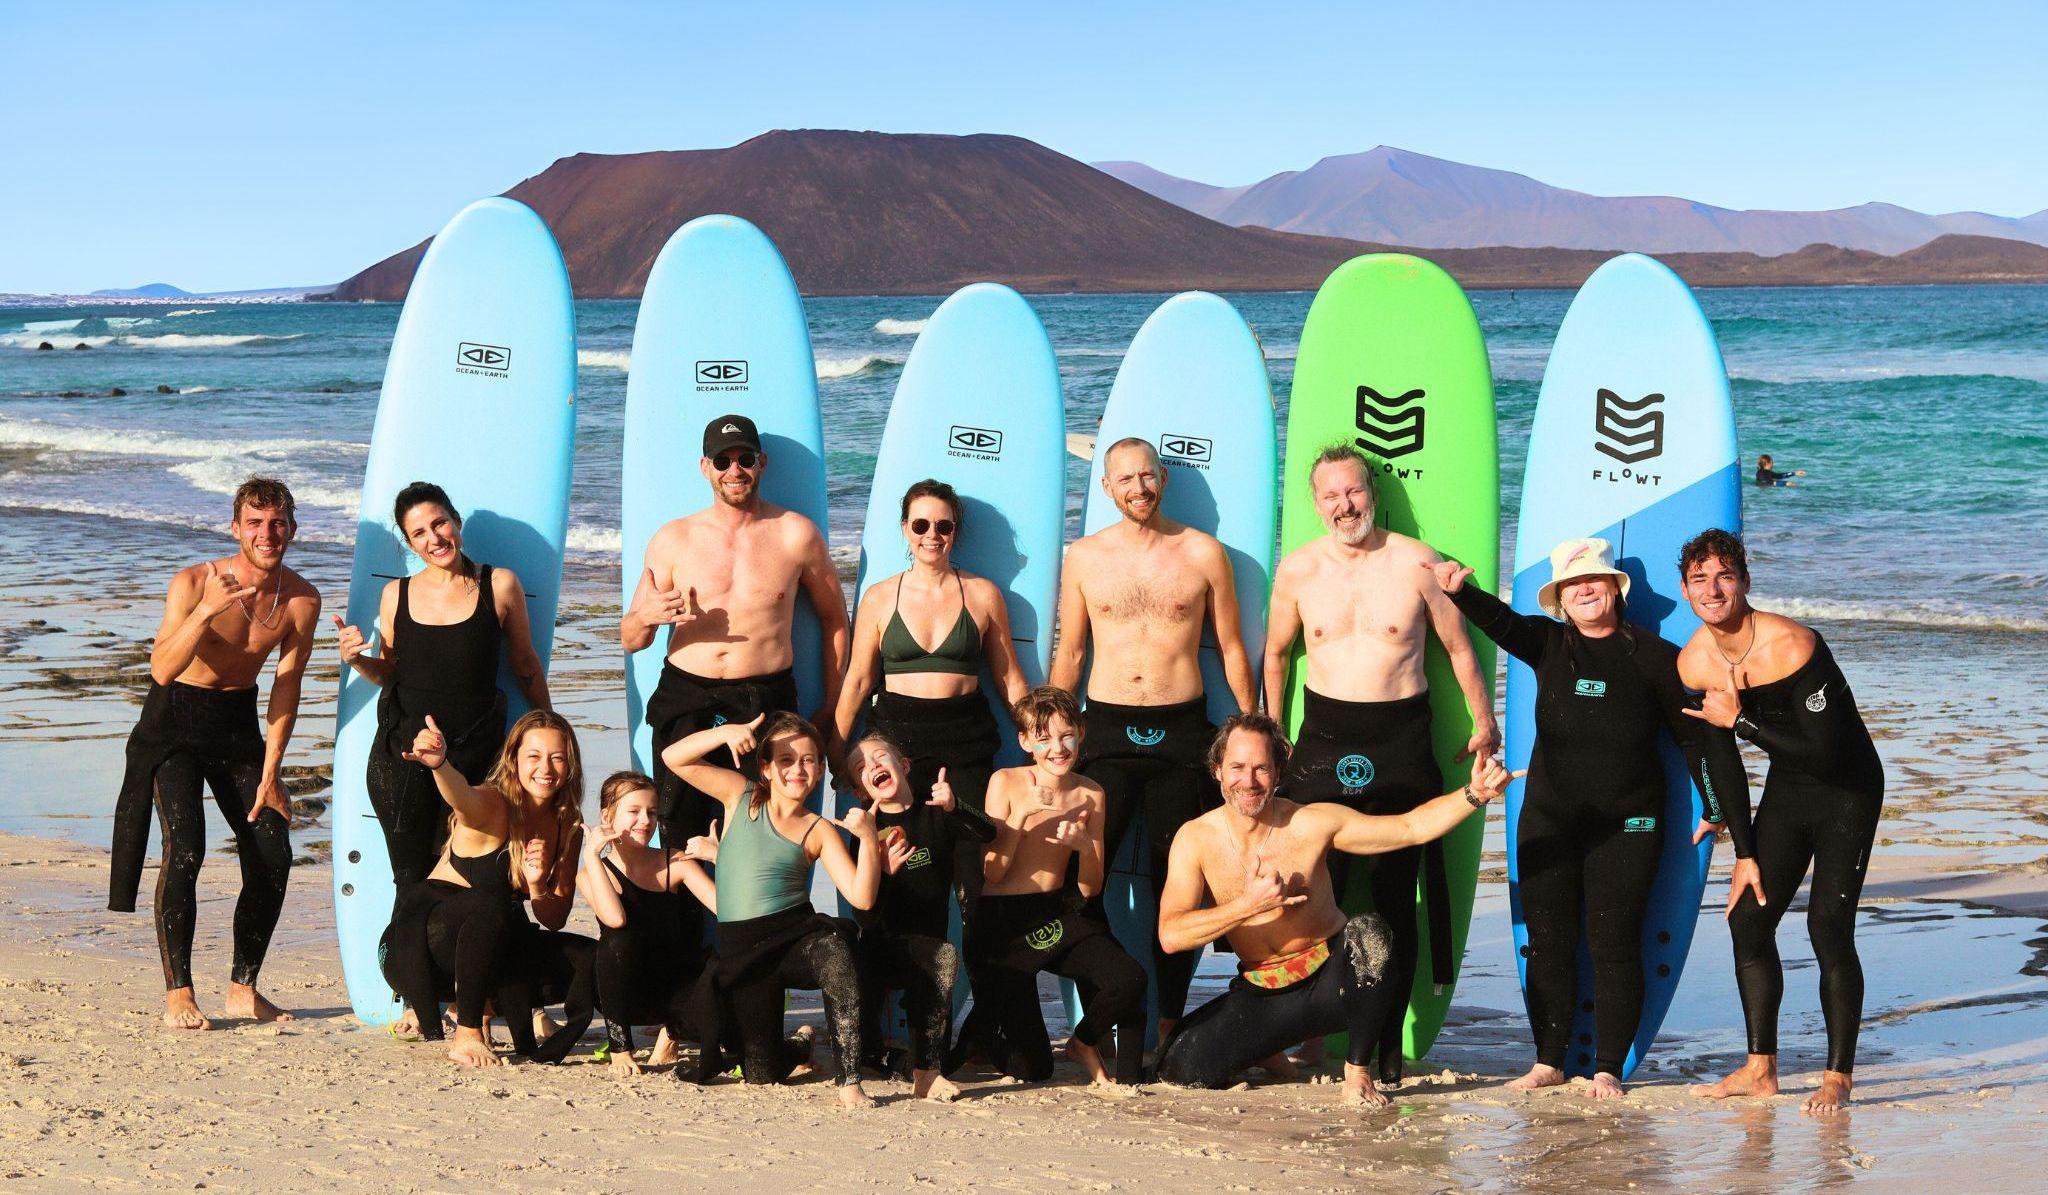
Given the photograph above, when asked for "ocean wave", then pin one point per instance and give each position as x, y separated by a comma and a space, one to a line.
619, 359
30, 340
168, 340
900, 327
1869, 367
195, 390
832, 369
212, 525
189, 311
1912, 615
223, 475
585, 540
69, 438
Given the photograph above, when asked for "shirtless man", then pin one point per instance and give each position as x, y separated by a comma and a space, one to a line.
1139, 592
1775, 683
725, 582
222, 620
1255, 872
1365, 613
1030, 920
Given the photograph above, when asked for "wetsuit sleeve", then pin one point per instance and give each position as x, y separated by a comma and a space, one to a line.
1813, 741
1712, 758
971, 825
1522, 636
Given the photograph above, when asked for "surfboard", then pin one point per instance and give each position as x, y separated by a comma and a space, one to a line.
480, 397
1392, 362
1194, 386
1634, 441
720, 330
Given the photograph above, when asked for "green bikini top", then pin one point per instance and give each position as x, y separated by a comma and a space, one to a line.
959, 653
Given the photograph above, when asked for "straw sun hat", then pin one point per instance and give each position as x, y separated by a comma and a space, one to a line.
1575, 558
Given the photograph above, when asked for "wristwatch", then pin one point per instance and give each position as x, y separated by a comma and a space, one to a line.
1472, 800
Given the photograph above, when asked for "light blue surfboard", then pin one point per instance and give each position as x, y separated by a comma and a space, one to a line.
1634, 441
1194, 386
479, 397
721, 330
979, 407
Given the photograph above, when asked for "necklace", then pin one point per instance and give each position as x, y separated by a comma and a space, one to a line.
1241, 852
276, 598
1750, 618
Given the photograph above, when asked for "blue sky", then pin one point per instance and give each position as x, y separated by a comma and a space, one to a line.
240, 145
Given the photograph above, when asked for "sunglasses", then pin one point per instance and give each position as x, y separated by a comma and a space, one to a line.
744, 459
920, 526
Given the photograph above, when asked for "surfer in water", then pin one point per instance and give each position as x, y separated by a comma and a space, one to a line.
1256, 872
222, 621
1591, 832
1364, 613
724, 582
1774, 683
1138, 594
1767, 476
931, 702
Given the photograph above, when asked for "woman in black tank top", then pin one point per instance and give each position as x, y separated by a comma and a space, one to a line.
931, 700
452, 619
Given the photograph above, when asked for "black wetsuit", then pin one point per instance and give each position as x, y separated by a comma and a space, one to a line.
451, 672
1820, 806
1591, 829
1770, 477
1151, 759
1378, 757
903, 944
684, 703
188, 737
447, 940
647, 969
1351, 992
1011, 940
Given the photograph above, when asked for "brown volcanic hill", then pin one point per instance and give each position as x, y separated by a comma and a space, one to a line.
882, 213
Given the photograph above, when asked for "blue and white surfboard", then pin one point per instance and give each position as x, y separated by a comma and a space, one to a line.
1634, 441
480, 397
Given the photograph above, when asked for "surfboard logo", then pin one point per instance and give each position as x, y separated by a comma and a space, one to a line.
974, 443
1046, 936
1355, 771
1191, 451
721, 375
1629, 431
483, 360
1389, 426
1149, 736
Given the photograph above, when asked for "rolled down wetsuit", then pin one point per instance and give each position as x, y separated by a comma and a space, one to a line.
955, 733
1378, 757
769, 940
1343, 985
451, 672
1151, 758
684, 703
647, 969
1013, 938
1591, 828
188, 737
1820, 806
903, 944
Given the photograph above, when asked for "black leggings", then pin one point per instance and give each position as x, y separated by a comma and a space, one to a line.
1802, 821
449, 940
823, 960
1351, 993
642, 980
263, 848
548, 967
925, 970
1013, 939
1591, 865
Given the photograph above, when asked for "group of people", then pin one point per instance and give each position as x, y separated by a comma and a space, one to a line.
699, 874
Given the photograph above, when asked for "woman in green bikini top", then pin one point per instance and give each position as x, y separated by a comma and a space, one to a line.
932, 701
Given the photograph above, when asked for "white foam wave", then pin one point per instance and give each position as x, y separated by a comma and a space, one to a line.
900, 327
30, 340
169, 340
30, 433
619, 359
195, 389
1911, 615
1885, 366
214, 525
222, 475
189, 311
832, 369
586, 540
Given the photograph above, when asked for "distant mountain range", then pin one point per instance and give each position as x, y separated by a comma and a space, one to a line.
165, 291
885, 213
1395, 196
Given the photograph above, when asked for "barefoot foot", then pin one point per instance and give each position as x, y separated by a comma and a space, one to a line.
622, 1065
1090, 1059
246, 1003
1832, 1096
1757, 1076
181, 1011
1280, 1066
851, 1095
1604, 1087
664, 1052
1359, 1091
470, 1049
1538, 1076
407, 1026
933, 1086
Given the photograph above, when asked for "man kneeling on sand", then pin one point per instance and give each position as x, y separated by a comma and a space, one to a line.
1262, 863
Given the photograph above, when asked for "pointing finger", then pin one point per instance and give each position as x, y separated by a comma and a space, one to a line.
432, 725
942, 775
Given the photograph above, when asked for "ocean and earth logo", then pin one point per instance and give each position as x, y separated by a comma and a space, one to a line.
1639, 825
1590, 688
1389, 427
974, 443
1629, 431
1148, 736
1191, 451
721, 375
1354, 771
483, 360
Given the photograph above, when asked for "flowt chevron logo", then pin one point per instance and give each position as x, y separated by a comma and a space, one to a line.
1389, 427
1630, 431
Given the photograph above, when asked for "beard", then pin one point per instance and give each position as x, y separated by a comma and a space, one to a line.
1248, 804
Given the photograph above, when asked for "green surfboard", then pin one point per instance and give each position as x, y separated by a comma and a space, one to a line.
1392, 361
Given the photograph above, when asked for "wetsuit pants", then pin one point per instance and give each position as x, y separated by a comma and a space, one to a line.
683, 704
954, 733
924, 969
1012, 939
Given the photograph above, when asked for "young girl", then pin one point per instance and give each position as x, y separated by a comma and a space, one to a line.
769, 937
462, 928
931, 849
649, 953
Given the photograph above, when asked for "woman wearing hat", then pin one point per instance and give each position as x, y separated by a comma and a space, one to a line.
1590, 832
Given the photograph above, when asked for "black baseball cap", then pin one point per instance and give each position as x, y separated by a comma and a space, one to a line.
730, 431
